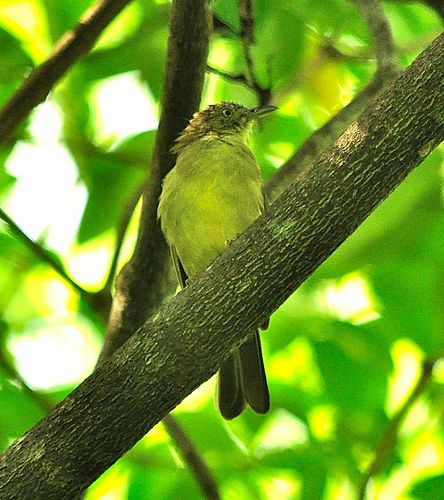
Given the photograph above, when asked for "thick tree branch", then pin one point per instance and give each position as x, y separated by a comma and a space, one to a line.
68, 50
35, 89
387, 69
387, 442
184, 343
186, 448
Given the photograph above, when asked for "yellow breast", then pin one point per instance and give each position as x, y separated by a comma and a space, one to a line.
211, 196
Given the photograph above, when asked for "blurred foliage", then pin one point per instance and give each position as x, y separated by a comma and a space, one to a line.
342, 353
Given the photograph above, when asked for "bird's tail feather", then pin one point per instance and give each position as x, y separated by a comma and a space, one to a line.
254, 380
242, 380
231, 400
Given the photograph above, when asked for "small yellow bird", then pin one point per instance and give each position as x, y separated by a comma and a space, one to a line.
212, 195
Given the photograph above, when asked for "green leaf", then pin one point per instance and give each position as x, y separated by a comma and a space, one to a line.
136, 149
408, 291
354, 364
63, 16
429, 489
15, 62
149, 38
19, 412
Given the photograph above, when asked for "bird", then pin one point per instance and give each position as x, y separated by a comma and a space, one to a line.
211, 195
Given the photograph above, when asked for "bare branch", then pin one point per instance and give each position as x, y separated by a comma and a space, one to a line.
186, 448
192, 457
42, 254
40, 399
246, 18
379, 27
143, 283
240, 78
68, 50
387, 69
247, 23
98, 301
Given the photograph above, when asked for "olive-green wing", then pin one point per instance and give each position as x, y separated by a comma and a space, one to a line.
180, 271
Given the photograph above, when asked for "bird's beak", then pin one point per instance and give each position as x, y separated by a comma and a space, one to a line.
261, 111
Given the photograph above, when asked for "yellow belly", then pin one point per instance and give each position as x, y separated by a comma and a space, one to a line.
211, 196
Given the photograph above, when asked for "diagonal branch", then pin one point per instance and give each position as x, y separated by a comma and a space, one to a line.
387, 442
183, 344
71, 47
68, 50
239, 78
192, 457
98, 301
42, 254
184, 444
40, 399
387, 69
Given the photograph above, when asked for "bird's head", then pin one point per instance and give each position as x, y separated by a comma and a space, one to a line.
221, 120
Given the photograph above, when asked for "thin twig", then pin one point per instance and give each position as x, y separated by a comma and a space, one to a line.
246, 18
387, 69
387, 442
41, 253
42, 401
379, 27
69, 49
121, 231
192, 457
240, 78
98, 301
247, 37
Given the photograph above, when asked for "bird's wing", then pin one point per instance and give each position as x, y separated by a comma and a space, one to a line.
180, 271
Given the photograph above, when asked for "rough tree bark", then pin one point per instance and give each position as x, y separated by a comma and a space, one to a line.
183, 344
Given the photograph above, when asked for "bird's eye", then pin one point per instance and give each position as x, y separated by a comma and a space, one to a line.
226, 112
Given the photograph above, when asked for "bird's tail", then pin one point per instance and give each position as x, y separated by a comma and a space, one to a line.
242, 380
